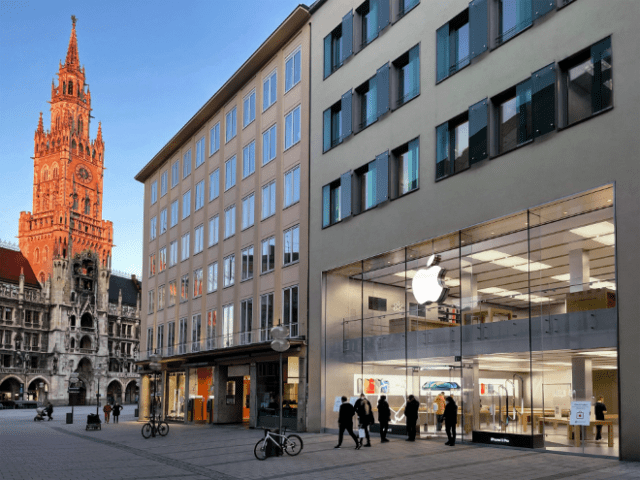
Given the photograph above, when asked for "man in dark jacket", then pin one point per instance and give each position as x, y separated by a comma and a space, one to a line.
450, 420
601, 409
116, 412
345, 422
384, 415
411, 414
49, 411
365, 416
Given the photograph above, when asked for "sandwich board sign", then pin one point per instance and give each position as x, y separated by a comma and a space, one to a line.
580, 413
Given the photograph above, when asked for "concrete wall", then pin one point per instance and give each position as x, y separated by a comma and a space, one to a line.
601, 150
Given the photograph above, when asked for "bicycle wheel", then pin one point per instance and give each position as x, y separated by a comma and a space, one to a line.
146, 430
293, 445
260, 450
163, 428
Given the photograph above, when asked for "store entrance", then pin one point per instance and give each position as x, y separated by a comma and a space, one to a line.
246, 399
437, 379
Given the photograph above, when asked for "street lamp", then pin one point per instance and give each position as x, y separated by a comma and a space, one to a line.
23, 356
155, 366
280, 343
73, 388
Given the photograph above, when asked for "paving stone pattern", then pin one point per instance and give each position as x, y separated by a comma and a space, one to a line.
54, 450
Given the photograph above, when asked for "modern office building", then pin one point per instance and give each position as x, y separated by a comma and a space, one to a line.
225, 235
474, 216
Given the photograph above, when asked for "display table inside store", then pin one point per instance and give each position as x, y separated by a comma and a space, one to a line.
573, 431
414, 324
487, 316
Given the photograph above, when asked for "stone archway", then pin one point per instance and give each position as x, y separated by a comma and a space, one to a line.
114, 392
35, 391
131, 392
10, 389
85, 374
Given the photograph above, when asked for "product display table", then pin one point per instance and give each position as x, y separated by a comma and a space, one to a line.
574, 430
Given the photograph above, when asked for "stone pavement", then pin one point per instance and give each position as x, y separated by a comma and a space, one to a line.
54, 450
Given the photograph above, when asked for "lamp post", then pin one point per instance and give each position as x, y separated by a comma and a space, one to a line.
155, 366
23, 356
73, 380
280, 343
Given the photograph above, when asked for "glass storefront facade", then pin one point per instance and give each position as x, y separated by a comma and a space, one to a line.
514, 318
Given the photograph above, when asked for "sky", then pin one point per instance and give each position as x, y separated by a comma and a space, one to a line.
150, 66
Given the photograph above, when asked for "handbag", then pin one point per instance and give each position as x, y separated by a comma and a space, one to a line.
361, 433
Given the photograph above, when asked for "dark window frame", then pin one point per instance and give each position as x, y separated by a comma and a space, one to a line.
402, 97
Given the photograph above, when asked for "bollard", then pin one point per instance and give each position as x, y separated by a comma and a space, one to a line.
69, 418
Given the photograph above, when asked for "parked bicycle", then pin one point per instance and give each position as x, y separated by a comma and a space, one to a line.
290, 444
153, 427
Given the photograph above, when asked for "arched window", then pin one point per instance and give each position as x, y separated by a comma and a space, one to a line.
80, 125
45, 173
73, 343
37, 254
42, 277
55, 169
70, 91
45, 255
73, 144
87, 151
86, 320
75, 201
87, 206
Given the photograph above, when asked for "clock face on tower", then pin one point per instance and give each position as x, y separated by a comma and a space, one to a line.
83, 174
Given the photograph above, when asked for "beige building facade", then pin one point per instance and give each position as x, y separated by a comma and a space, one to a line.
474, 217
225, 240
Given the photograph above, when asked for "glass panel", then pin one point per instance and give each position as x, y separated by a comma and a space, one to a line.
508, 136
579, 91
461, 147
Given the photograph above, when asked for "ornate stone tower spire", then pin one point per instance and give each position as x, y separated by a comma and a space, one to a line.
68, 174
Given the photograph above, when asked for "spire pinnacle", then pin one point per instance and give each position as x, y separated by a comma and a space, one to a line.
40, 124
72, 51
99, 134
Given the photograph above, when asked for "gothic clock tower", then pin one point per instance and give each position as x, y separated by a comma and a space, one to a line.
67, 178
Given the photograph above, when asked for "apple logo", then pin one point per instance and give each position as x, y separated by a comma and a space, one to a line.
428, 285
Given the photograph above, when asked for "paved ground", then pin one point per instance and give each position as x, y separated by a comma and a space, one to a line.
54, 450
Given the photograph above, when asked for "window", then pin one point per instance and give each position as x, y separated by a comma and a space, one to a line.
406, 5
162, 259
229, 221
228, 278
154, 192
163, 220
198, 241
197, 283
182, 334
186, 241
331, 203
186, 164
171, 337
213, 230
514, 117
452, 50
268, 254
161, 297
248, 214
246, 320
199, 152
417, 310
266, 316
332, 126
292, 186
173, 253
408, 72
175, 169
211, 328
152, 228
291, 245
249, 159
247, 263
212, 277
227, 325
231, 125
214, 184
367, 98
366, 179
269, 90
269, 143
151, 300
373, 17
514, 16
333, 51
292, 70
184, 288
199, 195
290, 309
214, 139
249, 109
174, 213
164, 183
268, 200
587, 83
230, 173
152, 264
186, 204
160, 338
462, 142
172, 293
292, 128
378, 304
196, 332
150, 339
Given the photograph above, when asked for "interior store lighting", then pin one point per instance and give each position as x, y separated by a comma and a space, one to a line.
601, 232
510, 261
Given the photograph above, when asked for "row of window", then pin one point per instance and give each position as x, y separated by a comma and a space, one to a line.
291, 135
528, 110
291, 196
387, 176
290, 255
484, 25
290, 309
394, 83
355, 32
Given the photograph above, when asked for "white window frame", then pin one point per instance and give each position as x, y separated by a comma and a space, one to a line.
231, 125
248, 211
173, 295
227, 325
173, 253
288, 240
185, 246
249, 103
269, 202
267, 241
198, 282
163, 221
175, 173
184, 288
164, 183
245, 274
154, 192
175, 213
293, 140
161, 297
267, 101
246, 321
270, 144
214, 184
290, 190
292, 58
151, 302
186, 204
249, 159
229, 221
214, 139
266, 321
293, 325
212, 277
200, 152
186, 164
152, 228
199, 196
198, 241
162, 259
230, 173
214, 230
228, 274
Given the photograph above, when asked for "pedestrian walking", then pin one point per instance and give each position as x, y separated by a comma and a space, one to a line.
345, 422
116, 412
450, 420
411, 415
49, 411
365, 416
441, 403
384, 416
107, 411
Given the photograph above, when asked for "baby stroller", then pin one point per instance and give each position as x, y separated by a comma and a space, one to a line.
41, 412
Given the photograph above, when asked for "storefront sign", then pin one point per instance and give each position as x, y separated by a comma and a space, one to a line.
428, 285
508, 439
580, 413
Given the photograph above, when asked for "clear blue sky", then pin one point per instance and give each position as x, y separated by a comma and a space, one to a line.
150, 66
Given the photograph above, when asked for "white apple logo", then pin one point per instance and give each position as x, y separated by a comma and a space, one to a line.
428, 285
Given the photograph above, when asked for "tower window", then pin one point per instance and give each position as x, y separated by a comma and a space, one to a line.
87, 206
70, 91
